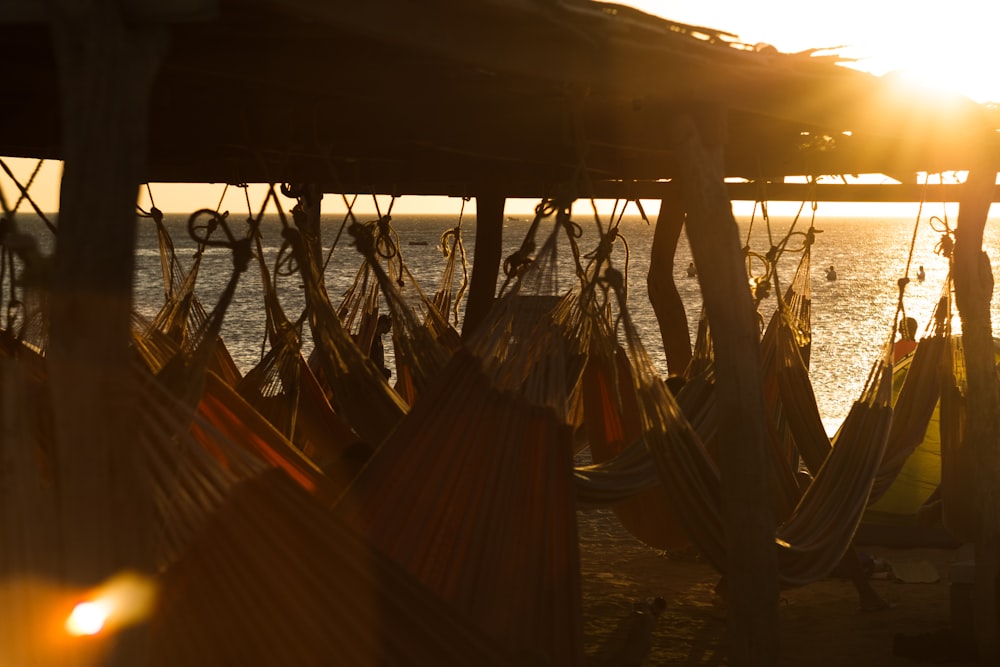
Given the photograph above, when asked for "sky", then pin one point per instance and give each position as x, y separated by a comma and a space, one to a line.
951, 45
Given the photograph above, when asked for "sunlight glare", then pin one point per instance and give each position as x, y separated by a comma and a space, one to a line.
88, 618
122, 601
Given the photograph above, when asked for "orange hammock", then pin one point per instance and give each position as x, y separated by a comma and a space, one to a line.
283, 388
473, 491
472, 495
304, 416
236, 420
814, 537
258, 572
422, 338
612, 421
275, 579
360, 394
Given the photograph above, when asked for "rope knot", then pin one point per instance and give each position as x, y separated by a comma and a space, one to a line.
242, 254
363, 240
614, 278
516, 261
945, 246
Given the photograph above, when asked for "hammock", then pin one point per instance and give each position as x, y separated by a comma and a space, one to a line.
612, 421
183, 317
814, 537
273, 579
252, 569
234, 419
472, 493
360, 394
257, 559
422, 337
283, 388
960, 513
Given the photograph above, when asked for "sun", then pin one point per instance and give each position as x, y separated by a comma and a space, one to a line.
946, 65
940, 46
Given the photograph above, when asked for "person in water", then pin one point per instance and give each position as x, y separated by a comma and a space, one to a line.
831, 273
692, 272
920, 274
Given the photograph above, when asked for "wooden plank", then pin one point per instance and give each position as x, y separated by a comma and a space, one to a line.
973, 294
751, 557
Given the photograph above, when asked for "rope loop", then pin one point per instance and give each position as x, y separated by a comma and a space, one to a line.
293, 190
242, 249
449, 239
517, 261
386, 244
201, 233
946, 244
285, 264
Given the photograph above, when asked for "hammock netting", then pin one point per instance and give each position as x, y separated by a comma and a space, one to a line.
472, 492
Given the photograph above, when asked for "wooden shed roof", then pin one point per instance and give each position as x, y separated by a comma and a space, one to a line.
510, 96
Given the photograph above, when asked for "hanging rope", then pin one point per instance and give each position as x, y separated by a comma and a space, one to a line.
25, 196
453, 248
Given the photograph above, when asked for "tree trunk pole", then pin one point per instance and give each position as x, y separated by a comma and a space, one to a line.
106, 69
485, 261
663, 294
973, 294
751, 574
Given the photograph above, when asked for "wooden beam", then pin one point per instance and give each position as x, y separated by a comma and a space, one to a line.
663, 295
101, 477
973, 294
486, 260
869, 193
751, 556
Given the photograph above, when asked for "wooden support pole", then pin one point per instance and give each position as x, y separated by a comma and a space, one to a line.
308, 220
751, 562
106, 69
663, 294
486, 261
973, 294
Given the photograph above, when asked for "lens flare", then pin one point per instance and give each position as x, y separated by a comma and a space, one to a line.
87, 618
122, 601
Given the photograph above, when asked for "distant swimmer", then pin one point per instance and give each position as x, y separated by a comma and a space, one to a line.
831, 273
920, 274
692, 272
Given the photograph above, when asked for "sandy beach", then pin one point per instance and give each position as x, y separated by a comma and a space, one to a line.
821, 624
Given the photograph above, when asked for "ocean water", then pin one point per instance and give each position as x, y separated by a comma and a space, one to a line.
852, 317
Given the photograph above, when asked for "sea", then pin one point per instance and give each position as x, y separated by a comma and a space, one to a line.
852, 316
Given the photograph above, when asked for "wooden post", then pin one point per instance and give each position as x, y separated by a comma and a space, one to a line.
106, 68
663, 295
973, 294
485, 262
751, 561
